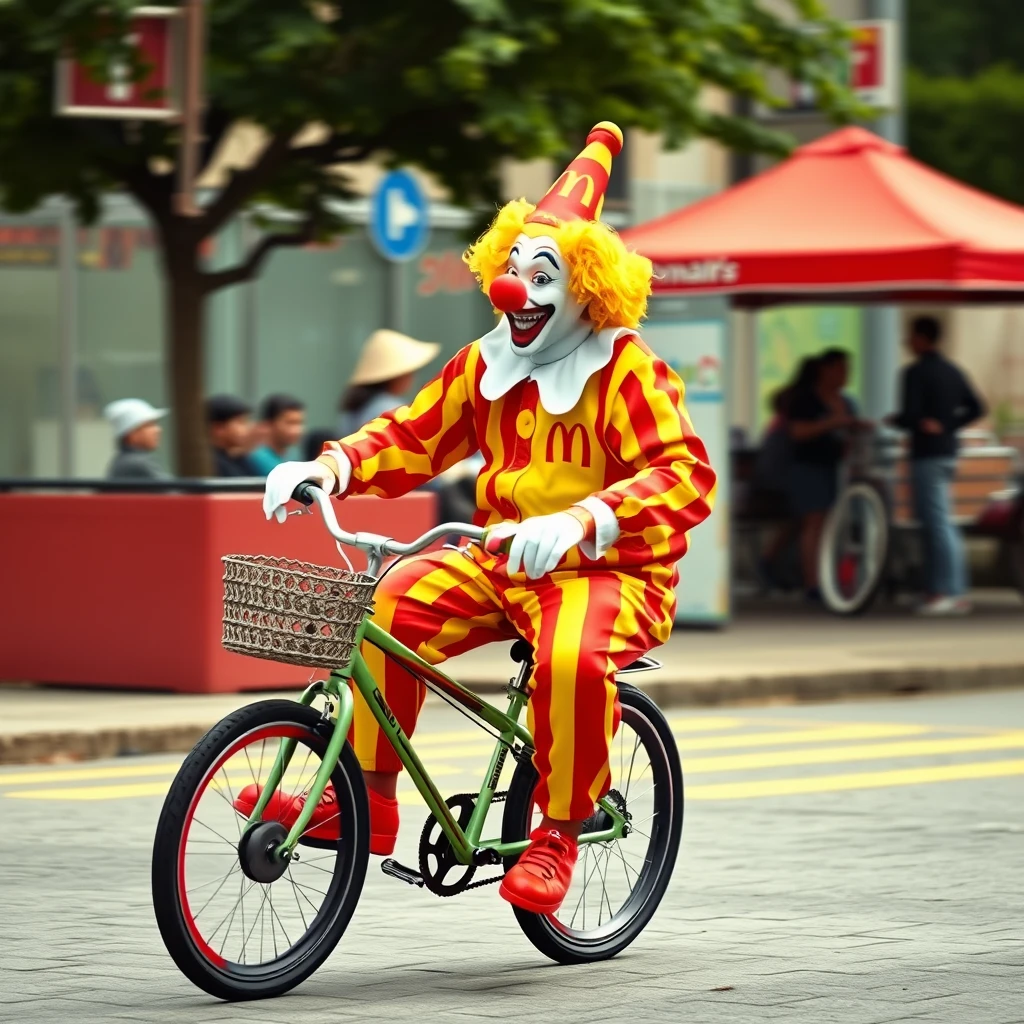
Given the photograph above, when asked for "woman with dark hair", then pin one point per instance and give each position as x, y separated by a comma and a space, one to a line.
772, 472
819, 417
384, 373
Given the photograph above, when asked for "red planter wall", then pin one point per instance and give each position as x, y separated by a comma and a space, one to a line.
125, 590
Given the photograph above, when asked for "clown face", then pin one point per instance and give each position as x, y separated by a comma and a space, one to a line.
550, 312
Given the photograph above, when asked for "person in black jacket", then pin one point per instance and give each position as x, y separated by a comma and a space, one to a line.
937, 402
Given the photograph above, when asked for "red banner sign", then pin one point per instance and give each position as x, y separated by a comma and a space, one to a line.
155, 36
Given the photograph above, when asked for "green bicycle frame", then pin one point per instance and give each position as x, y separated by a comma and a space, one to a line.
511, 736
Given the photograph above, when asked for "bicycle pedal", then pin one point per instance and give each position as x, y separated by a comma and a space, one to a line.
391, 867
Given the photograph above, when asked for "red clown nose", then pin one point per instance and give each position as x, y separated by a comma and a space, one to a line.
507, 293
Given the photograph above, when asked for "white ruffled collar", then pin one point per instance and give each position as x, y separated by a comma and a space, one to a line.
560, 383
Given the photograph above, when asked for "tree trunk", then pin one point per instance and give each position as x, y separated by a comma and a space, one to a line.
185, 299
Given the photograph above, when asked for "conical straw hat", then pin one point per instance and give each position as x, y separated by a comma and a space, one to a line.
388, 354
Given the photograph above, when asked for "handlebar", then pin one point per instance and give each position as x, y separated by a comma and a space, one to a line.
377, 546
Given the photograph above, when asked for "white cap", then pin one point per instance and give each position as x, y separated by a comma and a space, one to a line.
128, 413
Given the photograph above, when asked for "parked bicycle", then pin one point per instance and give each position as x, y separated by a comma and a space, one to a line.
249, 907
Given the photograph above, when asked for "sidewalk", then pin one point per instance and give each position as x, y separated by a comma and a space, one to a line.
768, 654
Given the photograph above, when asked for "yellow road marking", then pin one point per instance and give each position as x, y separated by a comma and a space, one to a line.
464, 751
855, 780
861, 752
782, 738
126, 791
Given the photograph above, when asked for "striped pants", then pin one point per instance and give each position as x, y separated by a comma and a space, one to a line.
582, 626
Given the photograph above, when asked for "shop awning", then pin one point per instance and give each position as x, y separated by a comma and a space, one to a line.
849, 218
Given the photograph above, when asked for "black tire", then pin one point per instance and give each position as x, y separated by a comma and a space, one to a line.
347, 870
569, 945
858, 520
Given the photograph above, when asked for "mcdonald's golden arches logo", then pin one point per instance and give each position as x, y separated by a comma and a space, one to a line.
567, 435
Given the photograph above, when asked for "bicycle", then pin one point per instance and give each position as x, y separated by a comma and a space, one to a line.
630, 842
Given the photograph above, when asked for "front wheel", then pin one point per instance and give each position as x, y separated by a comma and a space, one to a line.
617, 885
238, 922
854, 549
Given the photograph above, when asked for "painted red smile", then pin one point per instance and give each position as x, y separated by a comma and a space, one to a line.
527, 323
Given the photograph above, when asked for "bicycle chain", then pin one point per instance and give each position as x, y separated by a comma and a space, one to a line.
428, 880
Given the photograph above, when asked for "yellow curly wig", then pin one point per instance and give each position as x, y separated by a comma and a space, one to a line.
603, 273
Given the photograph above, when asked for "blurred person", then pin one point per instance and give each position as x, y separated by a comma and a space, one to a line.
819, 417
314, 441
137, 431
229, 421
383, 375
937, 401
772, 471
283, 421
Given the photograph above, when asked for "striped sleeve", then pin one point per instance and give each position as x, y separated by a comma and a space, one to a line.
673, 487
406, 447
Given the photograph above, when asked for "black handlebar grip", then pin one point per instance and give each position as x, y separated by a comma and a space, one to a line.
302, 494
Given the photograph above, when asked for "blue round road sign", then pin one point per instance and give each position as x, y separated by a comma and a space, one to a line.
399, 224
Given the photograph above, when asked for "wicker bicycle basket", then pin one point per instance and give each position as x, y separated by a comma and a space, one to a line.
293, 612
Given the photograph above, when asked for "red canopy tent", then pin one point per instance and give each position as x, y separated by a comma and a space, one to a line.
848, 217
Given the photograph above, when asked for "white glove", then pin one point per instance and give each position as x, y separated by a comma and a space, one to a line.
283, 480
540, 542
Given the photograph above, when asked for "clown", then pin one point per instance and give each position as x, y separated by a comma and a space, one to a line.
591, 467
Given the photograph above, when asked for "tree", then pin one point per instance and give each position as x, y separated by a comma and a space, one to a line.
965, 90
970, 128
455, 87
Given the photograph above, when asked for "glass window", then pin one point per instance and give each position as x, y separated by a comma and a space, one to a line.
313, 309
120, 335
30, 320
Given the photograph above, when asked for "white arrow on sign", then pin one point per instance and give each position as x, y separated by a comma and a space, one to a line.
401, 214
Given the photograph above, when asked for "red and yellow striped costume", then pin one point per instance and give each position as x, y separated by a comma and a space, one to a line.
627, 442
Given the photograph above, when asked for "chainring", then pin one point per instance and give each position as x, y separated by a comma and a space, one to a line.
434, 845
437, 856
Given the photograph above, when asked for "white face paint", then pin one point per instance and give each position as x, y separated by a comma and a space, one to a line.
550, 313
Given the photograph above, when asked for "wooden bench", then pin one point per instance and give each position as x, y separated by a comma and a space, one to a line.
982, 470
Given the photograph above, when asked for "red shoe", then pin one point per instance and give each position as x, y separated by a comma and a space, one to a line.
325, 823
541, 878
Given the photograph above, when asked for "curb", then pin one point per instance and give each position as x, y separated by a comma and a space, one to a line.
72, 745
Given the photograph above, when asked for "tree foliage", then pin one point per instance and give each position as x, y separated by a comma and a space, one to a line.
971, 128
965, 91
454, 86
959, 39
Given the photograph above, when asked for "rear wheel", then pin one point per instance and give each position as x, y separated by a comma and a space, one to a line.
239, 922
617, 885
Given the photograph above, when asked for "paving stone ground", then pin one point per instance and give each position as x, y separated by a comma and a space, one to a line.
868, 904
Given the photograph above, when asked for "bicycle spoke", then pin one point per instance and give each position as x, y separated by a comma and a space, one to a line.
337, 814
196, 888
311, 888
195, 917
604, 889
627, 867
636, 746
297, 891
231, 803
273, 931
259, 915
232, 843
310, 864
279, 921
227, 782
583, 891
